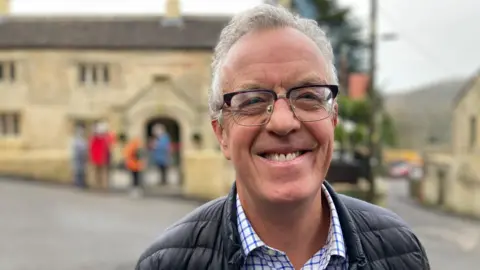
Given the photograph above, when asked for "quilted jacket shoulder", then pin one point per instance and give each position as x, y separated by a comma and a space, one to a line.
386, 240
191, 243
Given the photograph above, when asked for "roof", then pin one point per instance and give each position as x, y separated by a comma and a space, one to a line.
466, 88
110, 33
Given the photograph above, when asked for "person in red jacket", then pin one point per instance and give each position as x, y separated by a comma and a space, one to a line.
99, 155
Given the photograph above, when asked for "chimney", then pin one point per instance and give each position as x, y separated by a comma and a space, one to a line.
173, 14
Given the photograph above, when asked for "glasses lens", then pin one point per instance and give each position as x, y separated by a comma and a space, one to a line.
312, 103
251, 108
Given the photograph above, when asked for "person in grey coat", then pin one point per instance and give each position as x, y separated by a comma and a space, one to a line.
79, 158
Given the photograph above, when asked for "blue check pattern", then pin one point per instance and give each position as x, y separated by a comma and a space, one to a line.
260, 256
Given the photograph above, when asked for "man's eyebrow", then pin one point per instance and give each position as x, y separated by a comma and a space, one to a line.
312, 79
250, 86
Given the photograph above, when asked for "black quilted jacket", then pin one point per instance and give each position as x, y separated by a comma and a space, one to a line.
208, 238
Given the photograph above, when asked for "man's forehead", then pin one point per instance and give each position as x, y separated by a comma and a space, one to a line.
277, 57
272, 45
288, 80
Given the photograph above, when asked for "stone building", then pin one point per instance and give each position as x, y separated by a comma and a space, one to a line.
453, 179
132, 72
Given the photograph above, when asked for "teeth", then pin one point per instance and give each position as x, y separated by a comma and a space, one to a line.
283, 157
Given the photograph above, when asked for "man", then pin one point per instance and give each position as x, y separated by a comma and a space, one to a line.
161, 152
274, 111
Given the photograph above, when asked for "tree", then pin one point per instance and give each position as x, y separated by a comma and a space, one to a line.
360, 111
388, 130
358, 136
343, 30
344, 107
340, 134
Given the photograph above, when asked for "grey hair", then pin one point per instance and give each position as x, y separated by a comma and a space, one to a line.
258, 18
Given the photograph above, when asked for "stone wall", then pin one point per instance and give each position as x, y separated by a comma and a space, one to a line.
44, 165
207, 174
445, 184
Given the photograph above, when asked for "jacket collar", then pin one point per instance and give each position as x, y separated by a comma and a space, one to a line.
355, 254
231, 236
233, 247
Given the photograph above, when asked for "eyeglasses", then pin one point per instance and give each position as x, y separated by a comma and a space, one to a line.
255, 107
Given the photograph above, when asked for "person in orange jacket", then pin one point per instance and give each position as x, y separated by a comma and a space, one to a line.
134, 163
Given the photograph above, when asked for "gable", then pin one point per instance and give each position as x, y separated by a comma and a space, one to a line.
471, 84
470, 98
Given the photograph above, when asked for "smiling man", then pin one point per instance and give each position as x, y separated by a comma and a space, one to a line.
274, 111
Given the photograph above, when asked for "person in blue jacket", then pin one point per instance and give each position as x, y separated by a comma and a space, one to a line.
162, 152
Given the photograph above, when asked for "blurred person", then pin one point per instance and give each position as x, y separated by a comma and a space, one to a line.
134, 163
79, 157
162, 152
99, 155
273, 109
111, 140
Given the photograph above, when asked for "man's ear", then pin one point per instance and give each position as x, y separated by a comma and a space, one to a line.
221, 135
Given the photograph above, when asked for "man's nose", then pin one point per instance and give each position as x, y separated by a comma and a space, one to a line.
283, 120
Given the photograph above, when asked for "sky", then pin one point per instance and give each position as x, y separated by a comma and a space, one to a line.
436, 39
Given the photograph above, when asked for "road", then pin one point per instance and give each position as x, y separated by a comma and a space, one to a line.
57, 228
450, 242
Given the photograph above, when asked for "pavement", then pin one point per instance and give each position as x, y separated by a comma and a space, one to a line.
56, 227
46, 227
451, 242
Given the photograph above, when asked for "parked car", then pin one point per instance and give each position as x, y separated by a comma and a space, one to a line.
399, 169
344, 168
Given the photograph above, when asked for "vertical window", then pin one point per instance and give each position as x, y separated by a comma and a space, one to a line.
94, 72
7, 71
3, 124
106, 74
12, 71
82, 73
15, 124
473, 132
9, 124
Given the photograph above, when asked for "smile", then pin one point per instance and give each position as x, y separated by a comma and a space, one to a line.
282, 157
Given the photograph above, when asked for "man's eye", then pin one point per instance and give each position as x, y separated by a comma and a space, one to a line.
308, 96
254, 100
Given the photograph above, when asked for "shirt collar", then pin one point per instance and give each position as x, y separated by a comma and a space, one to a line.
251, 241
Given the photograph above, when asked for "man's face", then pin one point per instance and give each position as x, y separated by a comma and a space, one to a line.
276, 59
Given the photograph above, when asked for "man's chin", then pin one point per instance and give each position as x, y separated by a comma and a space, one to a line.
288, 191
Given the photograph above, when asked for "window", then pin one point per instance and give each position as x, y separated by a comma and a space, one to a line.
82, 76
7, 71
106, 74
12, 71
93, 74
473, 132
9, 124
